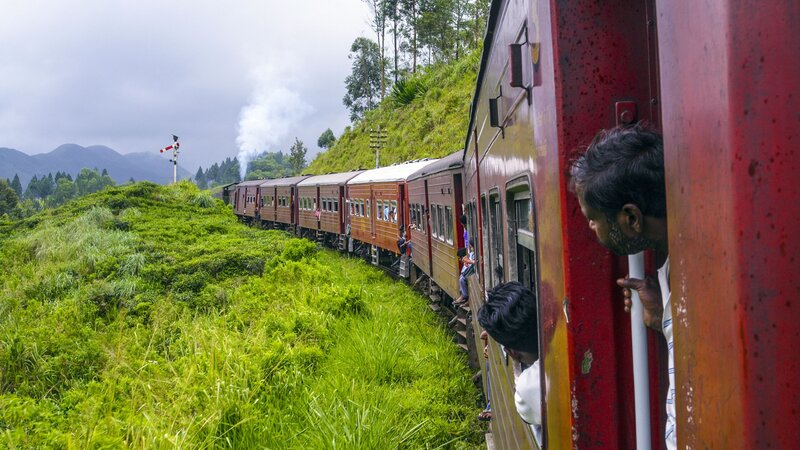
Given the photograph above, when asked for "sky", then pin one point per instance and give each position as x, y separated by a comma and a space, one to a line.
227, 77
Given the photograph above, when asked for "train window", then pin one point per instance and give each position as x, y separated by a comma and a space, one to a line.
496, 241
440, 218
368, 211
393, 212
361, 208
379, 209
336, 205
434, 222
448, 217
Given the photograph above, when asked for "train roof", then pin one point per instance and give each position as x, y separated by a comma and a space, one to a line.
397, 172
288, 181
331, 178
250, 183
452, 161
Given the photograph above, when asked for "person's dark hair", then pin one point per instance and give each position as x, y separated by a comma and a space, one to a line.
509, 316
463, 219
622, 165
461, 252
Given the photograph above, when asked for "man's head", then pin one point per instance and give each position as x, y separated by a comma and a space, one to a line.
620, 186
509, 316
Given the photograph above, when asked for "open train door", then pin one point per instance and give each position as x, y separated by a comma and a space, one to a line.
604, 62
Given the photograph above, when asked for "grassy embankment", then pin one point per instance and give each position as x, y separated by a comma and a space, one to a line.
428, 119
148, 317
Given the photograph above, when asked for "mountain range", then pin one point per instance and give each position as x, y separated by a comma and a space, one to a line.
71, 158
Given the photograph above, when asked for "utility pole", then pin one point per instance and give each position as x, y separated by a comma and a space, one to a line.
377, 140
174, 147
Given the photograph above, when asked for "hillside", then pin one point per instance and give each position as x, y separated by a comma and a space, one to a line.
71, 158
147, 316
433, 124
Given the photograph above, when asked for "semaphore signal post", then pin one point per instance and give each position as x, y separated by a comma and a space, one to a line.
174, 147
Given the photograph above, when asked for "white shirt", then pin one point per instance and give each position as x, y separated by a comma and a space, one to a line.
528, 399
666, 326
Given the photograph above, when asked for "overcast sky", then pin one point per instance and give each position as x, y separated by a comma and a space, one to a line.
225, 76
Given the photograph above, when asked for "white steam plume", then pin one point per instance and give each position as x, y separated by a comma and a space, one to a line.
273, 109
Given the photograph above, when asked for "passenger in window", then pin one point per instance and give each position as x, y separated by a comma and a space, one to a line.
467, 268
464, 226
510, 317
619, 182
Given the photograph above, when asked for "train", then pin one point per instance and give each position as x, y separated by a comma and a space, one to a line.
721, 81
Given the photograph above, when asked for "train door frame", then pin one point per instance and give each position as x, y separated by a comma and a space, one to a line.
370, 200
426, 212
318, 208
341, 210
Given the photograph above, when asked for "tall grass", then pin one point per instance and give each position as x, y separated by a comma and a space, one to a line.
160, 323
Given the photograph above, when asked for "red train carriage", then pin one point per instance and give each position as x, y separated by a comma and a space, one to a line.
246, 203
434, 210
324, 193
376, 203
269, 202
282, 193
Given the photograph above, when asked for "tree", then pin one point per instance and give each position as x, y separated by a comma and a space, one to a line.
230, 171
379, 15
409, 11
65, 190
8, 198
364, 83
31, 191
200, 178
326, 139
89, 181
297, 156
267, 166
17, 186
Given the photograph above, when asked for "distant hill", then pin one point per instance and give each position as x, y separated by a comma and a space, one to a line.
71, 158
429, 121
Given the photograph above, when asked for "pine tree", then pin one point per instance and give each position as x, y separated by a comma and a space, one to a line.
32, 191
17, 186
200, 178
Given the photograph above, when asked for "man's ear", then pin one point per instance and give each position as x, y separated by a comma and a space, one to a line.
631, 219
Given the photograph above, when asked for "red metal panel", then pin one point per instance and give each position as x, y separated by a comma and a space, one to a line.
730, 77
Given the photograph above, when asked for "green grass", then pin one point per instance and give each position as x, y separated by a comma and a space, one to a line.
148, 317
